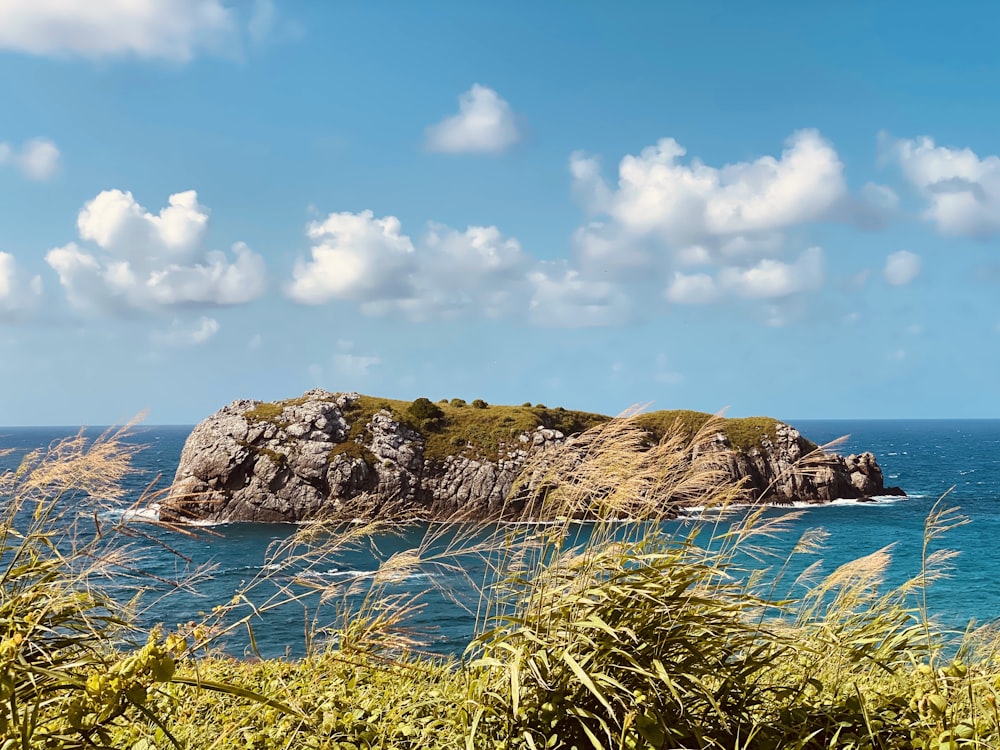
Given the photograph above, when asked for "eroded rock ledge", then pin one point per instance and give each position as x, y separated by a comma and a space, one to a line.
315, 456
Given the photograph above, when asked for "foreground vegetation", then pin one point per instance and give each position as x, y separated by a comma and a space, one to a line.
646, 635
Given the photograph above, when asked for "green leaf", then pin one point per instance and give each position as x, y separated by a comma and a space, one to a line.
586, 681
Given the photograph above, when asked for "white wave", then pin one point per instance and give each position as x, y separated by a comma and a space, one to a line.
876, 500
338, 573
203, 522
150, 514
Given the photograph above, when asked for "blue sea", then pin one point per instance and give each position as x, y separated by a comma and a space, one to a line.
927, 458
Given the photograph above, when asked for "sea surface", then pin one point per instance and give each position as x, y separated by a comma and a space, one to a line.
927, 458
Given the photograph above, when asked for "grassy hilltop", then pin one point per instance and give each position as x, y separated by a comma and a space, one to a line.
481, 430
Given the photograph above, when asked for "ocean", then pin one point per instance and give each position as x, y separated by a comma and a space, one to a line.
927, 458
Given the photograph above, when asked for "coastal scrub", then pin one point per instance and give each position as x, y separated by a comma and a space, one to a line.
634, 631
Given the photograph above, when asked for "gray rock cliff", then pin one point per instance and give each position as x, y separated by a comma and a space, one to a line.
321, 455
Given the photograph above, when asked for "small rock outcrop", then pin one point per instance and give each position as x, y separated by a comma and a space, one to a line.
325, 454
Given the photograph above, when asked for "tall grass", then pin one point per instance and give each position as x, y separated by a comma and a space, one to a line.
635, 629
66, 677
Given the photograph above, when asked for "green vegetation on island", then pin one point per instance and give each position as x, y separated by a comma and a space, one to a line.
645, 636
482, 430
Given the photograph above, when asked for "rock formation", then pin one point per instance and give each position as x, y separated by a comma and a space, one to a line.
326, 453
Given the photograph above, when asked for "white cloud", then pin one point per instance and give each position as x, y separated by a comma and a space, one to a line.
17, 292
485, 123
180, 335
174, 30
692, 289
710, 234
118, 224
668, 232
770, 279
767, 279
354, 364
38, 159
355, 257
477, 271
372, 262
447, 273
601, 249
563, 298
152, 261
962, 190
588, 185
687, 204
901, 268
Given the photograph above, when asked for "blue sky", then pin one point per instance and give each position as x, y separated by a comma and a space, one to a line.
778, 208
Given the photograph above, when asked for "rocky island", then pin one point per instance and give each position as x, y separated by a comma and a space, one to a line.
311, 457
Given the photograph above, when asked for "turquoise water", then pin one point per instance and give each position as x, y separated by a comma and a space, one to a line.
926, 458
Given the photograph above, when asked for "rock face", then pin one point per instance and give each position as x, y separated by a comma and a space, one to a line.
778, 471
317, 456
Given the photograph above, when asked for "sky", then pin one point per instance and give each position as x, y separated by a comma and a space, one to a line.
778, 208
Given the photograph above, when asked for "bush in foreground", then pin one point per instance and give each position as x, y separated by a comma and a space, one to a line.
639, 633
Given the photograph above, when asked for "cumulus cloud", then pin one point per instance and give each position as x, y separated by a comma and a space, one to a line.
766, 280
181, 335
485, 123
901, 268
669, 231
770, 278
962, 190
355, 257
116, 222
175, 30
688, 203
370, 261
601, 248
18, 293
692, 289
152, 261
38, 159
711, 234
563, 298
